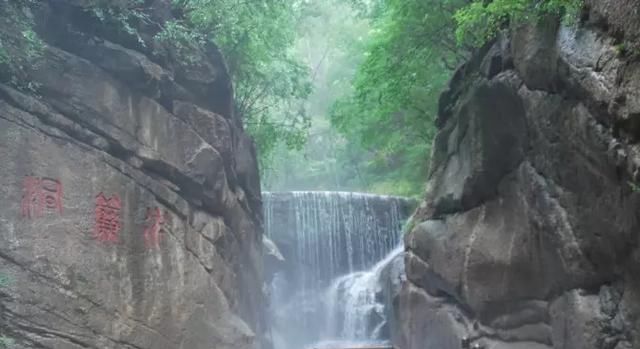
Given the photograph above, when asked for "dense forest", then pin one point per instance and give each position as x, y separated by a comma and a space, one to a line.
376, 69
338, 95
369, 75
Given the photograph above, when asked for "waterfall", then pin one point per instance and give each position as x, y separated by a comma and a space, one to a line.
356, 310
336, 246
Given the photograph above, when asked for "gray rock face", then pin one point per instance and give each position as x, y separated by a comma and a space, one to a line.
392, 279
528, 237
273, 259
131, 214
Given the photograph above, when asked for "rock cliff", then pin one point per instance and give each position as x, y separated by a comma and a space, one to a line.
130, 214
528, 237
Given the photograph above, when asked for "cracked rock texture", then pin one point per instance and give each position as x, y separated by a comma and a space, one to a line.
528, 236
113, 116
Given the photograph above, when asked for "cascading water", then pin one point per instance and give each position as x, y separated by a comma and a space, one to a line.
334, 245
356, 304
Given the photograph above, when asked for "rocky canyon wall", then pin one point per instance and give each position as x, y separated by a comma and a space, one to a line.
528, 237
130, 213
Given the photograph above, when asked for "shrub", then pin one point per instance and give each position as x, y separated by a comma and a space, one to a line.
480, 21
20, 49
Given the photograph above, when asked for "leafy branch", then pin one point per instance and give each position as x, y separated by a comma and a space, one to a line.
125, 19
21, 49
256, 38
481, 20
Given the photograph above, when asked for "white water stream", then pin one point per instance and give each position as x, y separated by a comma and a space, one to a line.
338, 249
354, 304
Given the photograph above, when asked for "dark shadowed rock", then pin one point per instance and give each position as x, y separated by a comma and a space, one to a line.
528, 236
534, 53
477, 148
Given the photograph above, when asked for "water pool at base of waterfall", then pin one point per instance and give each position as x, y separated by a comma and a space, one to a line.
350, 313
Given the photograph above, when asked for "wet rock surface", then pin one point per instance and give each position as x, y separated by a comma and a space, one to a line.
131, 214
528, 237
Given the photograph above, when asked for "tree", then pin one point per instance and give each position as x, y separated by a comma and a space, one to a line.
390, 112
414, 47
480, 21
257, 39
20, 49
377, 83
331, 41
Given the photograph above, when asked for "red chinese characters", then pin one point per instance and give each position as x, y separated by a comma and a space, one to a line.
41, 195
107, 225
155, 222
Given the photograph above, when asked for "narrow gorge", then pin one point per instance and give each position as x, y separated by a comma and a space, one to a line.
320, 174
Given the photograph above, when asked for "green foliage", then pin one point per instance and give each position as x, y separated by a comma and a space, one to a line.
330, 41
20, 49
123, 18
481, 20
6, 342
257, 39
181, 40
627, 50
412, 50
409, 225
4, 280
378, 69
621, 49
391, 110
